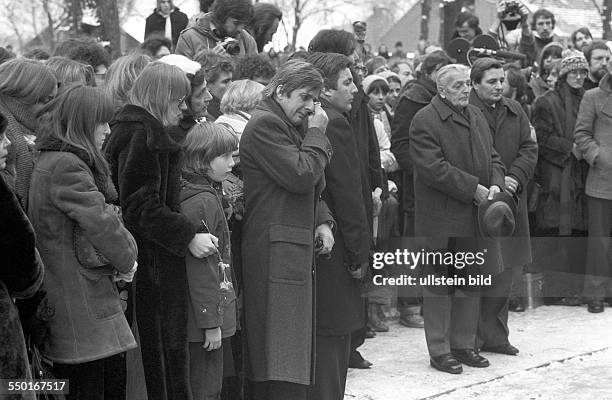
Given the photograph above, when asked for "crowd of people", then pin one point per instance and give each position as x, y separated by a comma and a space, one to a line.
218, 211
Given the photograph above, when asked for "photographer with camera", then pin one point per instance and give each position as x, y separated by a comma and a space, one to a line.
221, 31
510, 14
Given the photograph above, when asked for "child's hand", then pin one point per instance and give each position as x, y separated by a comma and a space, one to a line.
212, 339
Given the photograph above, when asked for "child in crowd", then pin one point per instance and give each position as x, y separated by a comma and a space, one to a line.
209, 159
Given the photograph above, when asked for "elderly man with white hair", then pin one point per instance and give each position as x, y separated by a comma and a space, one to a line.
456, 169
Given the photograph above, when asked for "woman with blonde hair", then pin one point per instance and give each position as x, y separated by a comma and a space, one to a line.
25, 87
145, 162
82, 242
121, 76
238, 103
68, 71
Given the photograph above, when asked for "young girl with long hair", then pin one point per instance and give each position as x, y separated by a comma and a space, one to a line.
82, 241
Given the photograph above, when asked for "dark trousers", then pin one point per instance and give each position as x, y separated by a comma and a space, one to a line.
493, 324
94, 380
451, 319
205, 372
332, 359
278, 390
163, 342
598, 269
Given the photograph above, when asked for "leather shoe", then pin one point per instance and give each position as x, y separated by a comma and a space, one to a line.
446, 363
471, 358
516, 305
596, 306
501, 349
412, 321
360, 364
369, 333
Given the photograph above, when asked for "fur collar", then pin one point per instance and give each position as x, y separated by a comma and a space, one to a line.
159, 138
101, 179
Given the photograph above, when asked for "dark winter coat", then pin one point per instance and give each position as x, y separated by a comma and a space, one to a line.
202, 36
594, 139
417, 95
21, 275
208, 306
340, 307
519, 152
156, 24
367, 148
451, 156
145, 167
283, 171
68, 192
562, 201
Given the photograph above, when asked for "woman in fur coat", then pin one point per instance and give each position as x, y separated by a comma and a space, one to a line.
145, 164
21, 274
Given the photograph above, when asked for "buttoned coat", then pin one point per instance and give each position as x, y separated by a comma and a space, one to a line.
593, 137
283, 171
67, 192
451, 156
518, 150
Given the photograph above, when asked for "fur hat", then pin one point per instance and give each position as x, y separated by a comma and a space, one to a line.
188, 66
369, 80
573, 62
496, 217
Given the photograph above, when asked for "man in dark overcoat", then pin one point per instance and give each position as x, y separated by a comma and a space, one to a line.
455, 169
339, 299
283, 152
416, 95
519, 152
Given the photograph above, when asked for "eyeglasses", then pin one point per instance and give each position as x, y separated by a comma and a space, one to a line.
181, 100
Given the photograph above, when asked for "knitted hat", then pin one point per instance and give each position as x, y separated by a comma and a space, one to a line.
573, 62
369, 80
387, 74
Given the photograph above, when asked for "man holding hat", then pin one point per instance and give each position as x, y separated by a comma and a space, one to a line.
512, 139
456, 169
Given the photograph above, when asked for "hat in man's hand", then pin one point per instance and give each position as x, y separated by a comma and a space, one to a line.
496, 217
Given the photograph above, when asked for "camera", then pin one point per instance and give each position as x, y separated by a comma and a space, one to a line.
512, 15
231, 46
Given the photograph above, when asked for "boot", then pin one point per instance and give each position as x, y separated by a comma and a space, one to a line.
374, 320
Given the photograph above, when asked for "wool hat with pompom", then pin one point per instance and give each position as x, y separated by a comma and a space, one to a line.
573, 62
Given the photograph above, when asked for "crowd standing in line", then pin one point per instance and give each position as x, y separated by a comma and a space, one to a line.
215, 208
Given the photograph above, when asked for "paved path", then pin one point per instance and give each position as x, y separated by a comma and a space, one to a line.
565, 353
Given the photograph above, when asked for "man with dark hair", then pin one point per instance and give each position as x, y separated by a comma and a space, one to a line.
415, 95
542, 33
519, 152
340, 304
256, 67
598, 57
467, 26
264, 23
399, 50
343, 42
581, 38
333, 41
156, 47
219, 71
166, 20
221, 30
283, 153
